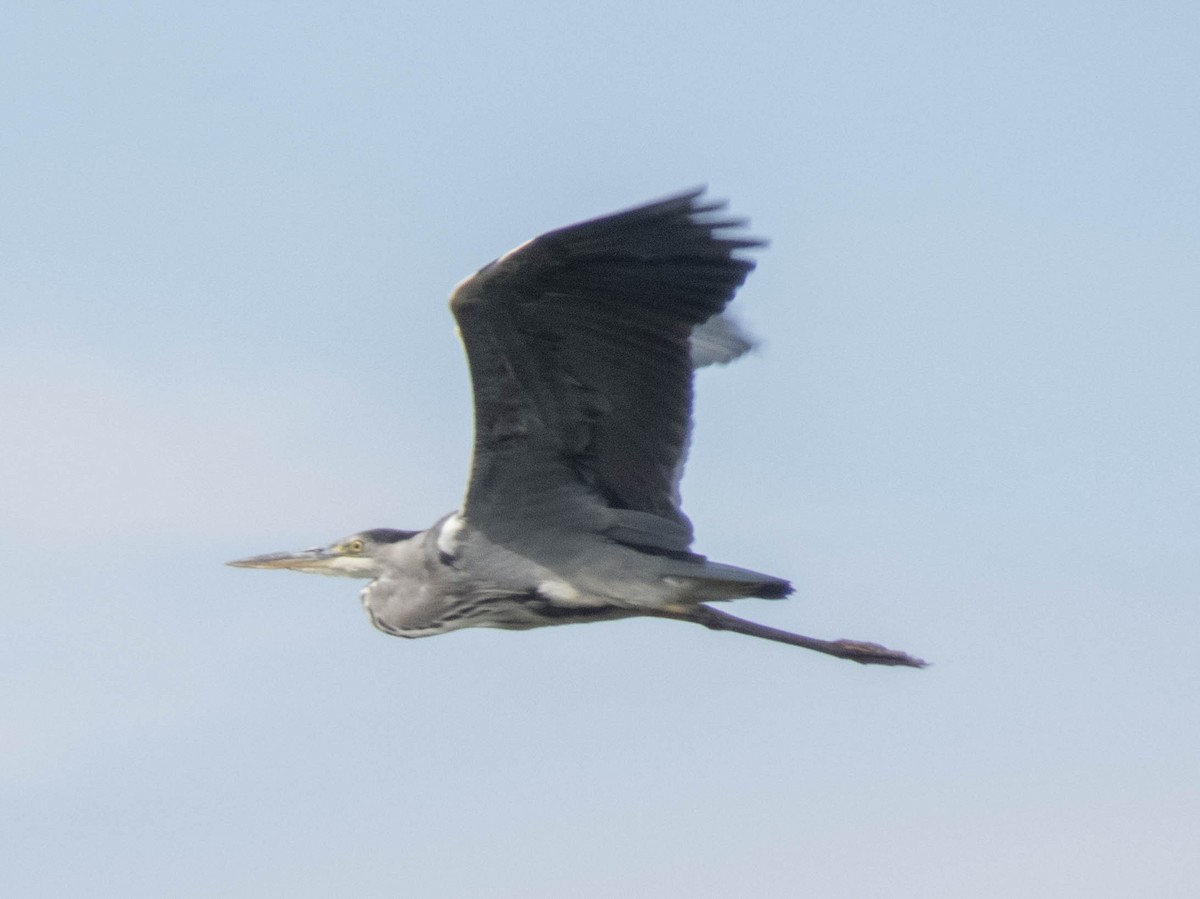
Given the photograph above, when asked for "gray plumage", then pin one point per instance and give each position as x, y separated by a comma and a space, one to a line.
582, 345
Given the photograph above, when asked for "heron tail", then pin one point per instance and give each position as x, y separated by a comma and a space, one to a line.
715, 581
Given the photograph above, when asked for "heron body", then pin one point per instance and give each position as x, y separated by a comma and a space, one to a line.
582, 345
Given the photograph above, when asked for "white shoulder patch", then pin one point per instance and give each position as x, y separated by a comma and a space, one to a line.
447, 541
558, 591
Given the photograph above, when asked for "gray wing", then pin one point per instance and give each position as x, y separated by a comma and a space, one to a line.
718, 341
580, 347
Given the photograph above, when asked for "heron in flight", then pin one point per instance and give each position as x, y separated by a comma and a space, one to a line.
582, 345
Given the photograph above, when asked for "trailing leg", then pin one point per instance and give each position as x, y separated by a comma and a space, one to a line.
854, 650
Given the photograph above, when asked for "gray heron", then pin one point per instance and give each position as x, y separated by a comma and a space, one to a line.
582, 345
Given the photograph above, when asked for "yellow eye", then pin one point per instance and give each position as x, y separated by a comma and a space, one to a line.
354, 546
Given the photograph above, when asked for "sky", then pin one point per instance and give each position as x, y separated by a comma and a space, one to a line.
970, 432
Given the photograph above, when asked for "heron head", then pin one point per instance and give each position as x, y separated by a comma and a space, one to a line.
359, 555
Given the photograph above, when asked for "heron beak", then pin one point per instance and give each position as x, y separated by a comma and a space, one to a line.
316, 560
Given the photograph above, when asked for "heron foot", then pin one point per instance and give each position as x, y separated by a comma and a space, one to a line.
874, 654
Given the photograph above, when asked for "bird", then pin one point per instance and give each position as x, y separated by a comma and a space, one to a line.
582, 345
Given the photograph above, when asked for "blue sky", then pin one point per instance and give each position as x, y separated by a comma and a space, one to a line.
971, 432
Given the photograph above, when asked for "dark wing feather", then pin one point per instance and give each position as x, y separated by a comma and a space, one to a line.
578, 343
